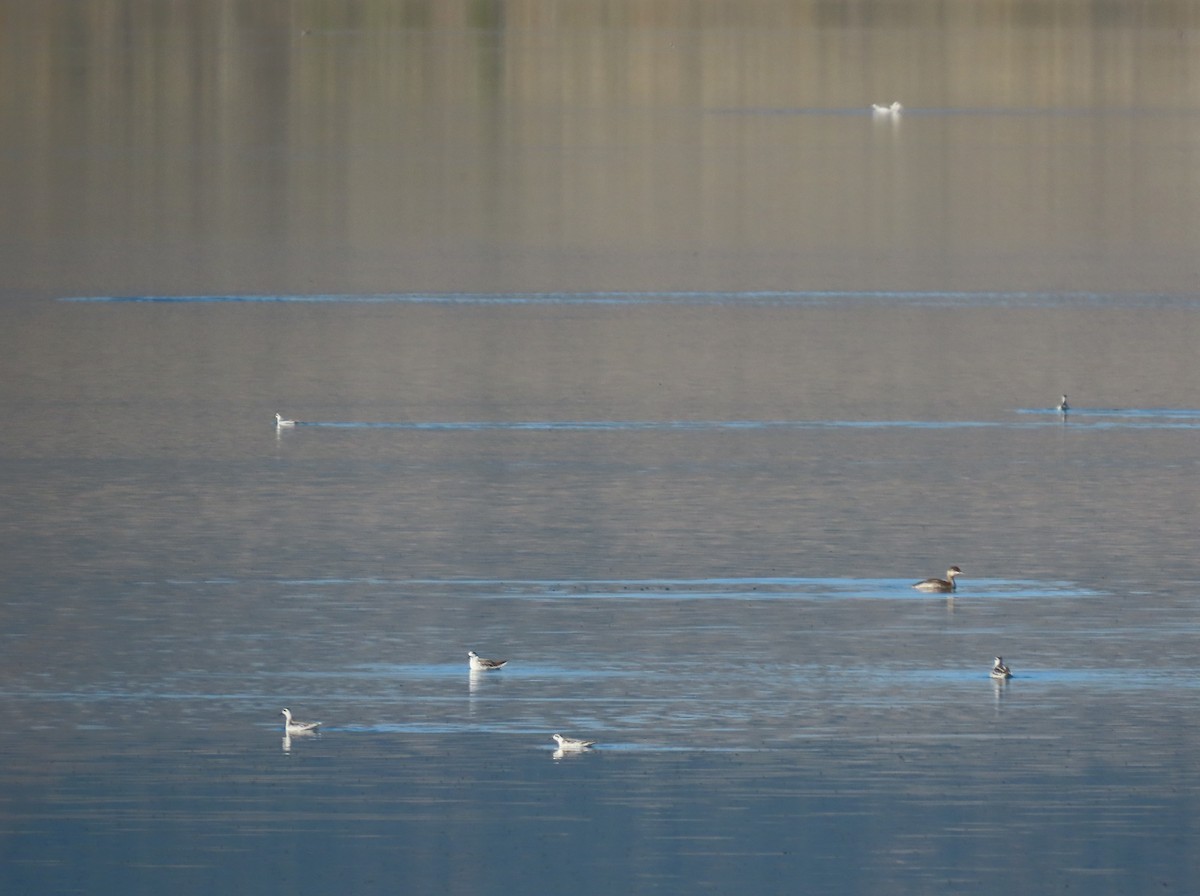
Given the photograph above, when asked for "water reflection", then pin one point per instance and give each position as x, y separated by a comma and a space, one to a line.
476, 679
560, 753
632, 341
731, 144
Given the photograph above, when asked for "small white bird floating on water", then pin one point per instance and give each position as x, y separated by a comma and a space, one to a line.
893, 110
939, 586
293, 727
479, 664
573, 745
280, 421
999, 670
1063, 407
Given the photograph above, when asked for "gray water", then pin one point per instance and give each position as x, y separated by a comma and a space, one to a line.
627, 344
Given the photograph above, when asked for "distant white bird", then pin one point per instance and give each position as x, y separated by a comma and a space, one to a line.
893, 110
279, 421
292, 727
999, 670
572, 745
479, 664
935, 586
1063, 406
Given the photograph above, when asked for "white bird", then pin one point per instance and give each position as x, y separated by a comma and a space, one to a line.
572, 745
479, 664
292, 727
936, 586
893, 110
279, 421
1063, 406
999, 670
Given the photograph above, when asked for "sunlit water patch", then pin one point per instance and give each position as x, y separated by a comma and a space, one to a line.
812, 298
1119, 418
719, 588
646, 425
1039, 418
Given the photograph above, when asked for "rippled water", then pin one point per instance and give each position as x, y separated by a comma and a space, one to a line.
627, 345
725, 606
749, 730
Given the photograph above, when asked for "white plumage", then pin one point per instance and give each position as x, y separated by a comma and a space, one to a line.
479, 664
293, 727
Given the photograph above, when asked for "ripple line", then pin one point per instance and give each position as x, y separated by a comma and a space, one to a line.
799, 298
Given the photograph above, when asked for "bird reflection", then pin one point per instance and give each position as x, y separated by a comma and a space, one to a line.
560, 753
999, 691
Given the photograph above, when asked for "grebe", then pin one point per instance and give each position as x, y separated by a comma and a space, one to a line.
1063, 407
571, 745
893, 109
279, 421
999, 670
290, 727
936, 586
479, 664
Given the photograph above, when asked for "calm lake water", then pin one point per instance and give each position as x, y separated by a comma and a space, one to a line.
626, 343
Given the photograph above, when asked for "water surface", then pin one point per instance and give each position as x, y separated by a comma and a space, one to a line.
626, 344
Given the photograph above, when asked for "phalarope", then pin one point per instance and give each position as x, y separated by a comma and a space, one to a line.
479, 664
893, 109
1063, 407
934, 586
999, 670
292, 727
280, 421
573, 745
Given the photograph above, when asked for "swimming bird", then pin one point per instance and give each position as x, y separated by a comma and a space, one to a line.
291, 727
999, 670
479, 664
279, 421
893, 109
572, 745
936, 586
1063, 406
